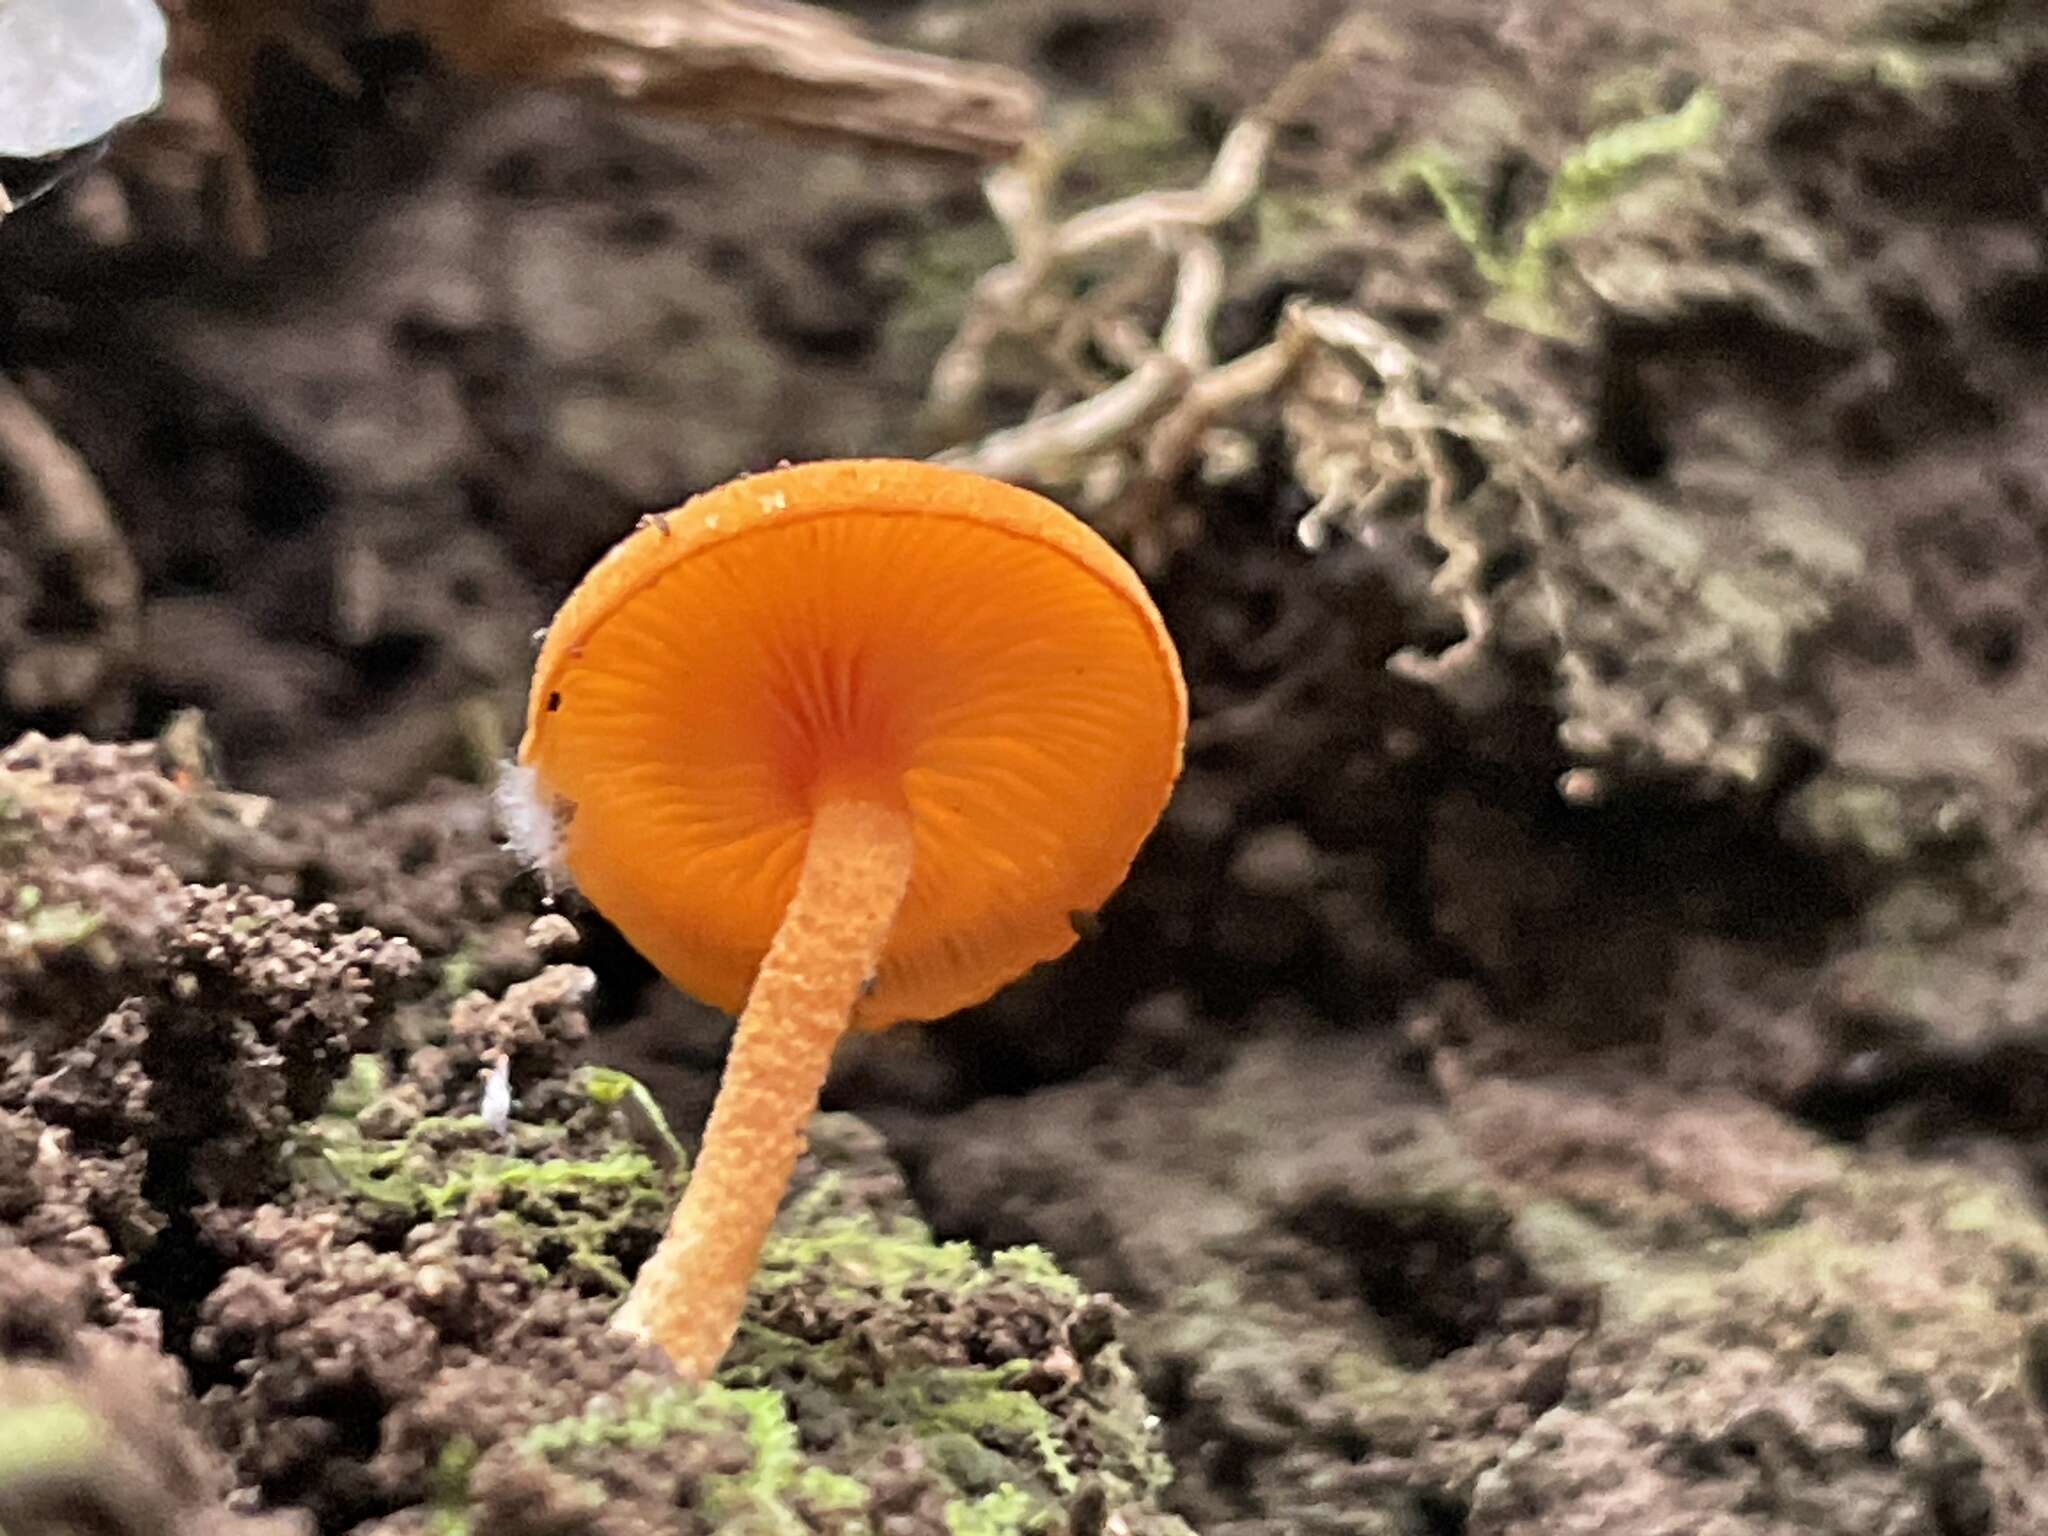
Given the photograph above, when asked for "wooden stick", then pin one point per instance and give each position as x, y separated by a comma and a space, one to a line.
772, 62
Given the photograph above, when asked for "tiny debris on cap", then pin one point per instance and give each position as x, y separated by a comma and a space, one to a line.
552, 934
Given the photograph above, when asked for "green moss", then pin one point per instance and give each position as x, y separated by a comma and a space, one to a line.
933, 269
1922, 1259
1581, 191
448, 1498
457, 973
365, 1081
1571, 1249
1033, 1266
1290, 223
983, 1405
39, 928
1104, 154
861, 1381
1135, 145
640, 1424
1009, 1511
868, 1257
1886, 822
778, 1477
570, 1214
830, 1491
17, 825
776, 1492
859, 1254
460, 970
622, 1091
978, 1426
1009, 1458
1372, 1384
1574, 1250
39, 1438
1460, 200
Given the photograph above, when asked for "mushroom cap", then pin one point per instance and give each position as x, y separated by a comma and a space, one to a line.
892, 629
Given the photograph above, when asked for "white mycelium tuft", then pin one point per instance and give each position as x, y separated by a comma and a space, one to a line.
532, 823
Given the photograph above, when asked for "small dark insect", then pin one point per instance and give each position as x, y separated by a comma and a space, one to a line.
554, 701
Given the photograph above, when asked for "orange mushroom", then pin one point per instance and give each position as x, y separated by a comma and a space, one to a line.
837, 746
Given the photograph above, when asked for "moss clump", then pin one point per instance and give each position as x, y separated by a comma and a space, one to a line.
983, 1426
1032, 1265
568, 1213
1581, 191
422, 1214
365, 1080
1009, 1461
1006, 1512
868, 1347
984, 1406
864, 1257
1933, 1267
574, 1215
36, 927
776, 1490
821, 1233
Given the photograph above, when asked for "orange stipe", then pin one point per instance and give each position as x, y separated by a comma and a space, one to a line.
855, 870
974, 671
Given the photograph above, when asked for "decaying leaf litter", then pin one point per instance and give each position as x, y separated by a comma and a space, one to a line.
1597, 1048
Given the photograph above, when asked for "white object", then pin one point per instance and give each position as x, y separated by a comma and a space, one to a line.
71, 71
530, 822
496, 1109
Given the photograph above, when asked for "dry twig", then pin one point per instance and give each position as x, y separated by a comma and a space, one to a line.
762, 61
766, 62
